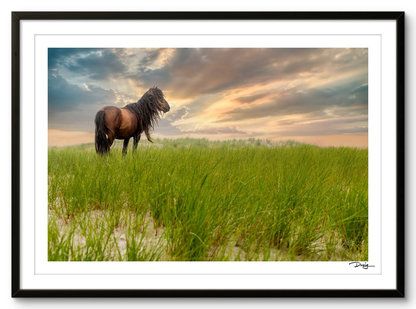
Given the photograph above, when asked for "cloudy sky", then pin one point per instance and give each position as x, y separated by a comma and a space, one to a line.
317, 95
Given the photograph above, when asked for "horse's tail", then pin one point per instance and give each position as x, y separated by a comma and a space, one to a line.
101, 142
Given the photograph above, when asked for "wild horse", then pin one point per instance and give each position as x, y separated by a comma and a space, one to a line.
129, 121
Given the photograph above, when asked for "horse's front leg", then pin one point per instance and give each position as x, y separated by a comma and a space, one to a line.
136, 140
125, 145
146, 131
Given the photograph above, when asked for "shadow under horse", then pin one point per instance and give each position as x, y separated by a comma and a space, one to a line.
129, 121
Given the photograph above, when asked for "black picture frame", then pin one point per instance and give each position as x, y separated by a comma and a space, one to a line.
398, 17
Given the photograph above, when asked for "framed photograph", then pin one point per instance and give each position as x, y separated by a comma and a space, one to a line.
208, 154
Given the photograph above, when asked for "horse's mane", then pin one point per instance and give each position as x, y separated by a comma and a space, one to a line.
148, 108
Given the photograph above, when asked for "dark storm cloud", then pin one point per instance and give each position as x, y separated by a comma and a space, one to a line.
173, 116
71, 106
149, 78
99, 65
63, 96
151, 55
62, 56
345, 100
166, 125
192, 72
92, 63
361, 90
251, 98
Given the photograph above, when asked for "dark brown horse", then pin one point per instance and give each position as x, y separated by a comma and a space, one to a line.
130, 121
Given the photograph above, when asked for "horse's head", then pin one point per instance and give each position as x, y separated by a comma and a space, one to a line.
158, 98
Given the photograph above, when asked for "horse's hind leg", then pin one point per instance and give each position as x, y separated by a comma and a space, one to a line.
110, 138
136, 141
125, 145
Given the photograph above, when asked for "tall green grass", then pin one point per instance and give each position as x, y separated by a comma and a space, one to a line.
198, 200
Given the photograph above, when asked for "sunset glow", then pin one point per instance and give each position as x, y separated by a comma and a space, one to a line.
317, 96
